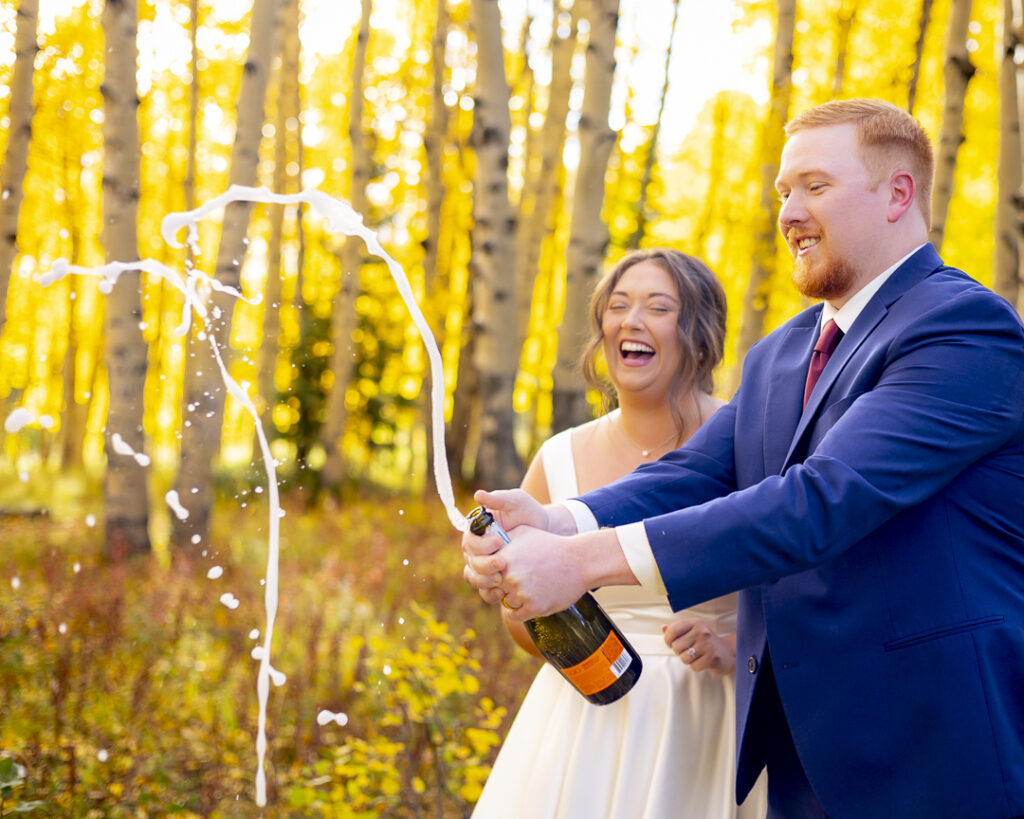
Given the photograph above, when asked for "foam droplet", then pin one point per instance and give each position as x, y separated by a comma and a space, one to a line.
18, 418
326, 716
172, 500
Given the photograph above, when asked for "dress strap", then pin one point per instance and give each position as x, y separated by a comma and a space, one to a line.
560, 466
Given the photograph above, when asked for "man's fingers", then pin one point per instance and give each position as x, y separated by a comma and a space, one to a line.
488, 565
484, 573
475, 545
494, 500
492, 595
512, 507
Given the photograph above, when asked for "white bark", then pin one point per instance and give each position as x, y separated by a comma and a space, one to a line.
203, 391
1006, 278
493, 255
12, 174
958, 72
588, 233
915, 72
350, 258
286, 131
755, 300
125, 486
541, 192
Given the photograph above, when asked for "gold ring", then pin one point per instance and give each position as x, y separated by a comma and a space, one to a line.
504, 602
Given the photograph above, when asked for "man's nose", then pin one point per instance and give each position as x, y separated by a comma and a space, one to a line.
792, 212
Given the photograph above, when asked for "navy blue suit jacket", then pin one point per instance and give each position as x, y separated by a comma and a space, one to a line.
878, 538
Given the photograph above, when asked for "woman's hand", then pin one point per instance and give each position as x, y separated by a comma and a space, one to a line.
700, 648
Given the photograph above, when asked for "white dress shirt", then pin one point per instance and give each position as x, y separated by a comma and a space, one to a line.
633, 536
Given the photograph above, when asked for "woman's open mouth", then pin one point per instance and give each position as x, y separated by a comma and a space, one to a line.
636, 352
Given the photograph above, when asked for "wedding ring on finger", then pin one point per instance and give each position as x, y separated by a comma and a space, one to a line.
692, 652
505, 603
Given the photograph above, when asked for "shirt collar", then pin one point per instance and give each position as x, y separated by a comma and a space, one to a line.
847, 314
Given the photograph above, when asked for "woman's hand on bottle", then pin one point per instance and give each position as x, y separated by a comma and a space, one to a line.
699, 647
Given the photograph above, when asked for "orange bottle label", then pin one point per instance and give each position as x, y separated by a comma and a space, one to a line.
600, 669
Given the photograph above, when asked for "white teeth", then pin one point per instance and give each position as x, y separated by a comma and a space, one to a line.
805, 243
636, 347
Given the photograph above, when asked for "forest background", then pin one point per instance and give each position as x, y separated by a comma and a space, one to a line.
504, 154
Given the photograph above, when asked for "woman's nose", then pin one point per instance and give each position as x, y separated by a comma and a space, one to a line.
633, 317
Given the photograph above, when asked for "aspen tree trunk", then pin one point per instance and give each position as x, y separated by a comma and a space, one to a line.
460, 432
588, 234
652, 151
720, 116
204, 392
73, 420
755, 299
285, 130
126, 482
12, 174
433, 144
435, 139
847, 14
493, 239
1006, 277
958, 72
542, 189
915, 71
189, 184
525, 86
350, 258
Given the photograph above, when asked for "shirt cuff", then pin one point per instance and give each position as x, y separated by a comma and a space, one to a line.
585, 520
637, 550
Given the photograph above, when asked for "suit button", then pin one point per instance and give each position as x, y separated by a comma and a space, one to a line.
751, 664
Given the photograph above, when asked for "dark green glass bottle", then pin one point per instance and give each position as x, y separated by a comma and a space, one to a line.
582, 642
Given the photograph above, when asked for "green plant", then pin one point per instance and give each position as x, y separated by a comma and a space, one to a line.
12, 775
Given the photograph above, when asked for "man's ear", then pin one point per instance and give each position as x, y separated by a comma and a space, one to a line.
901, 194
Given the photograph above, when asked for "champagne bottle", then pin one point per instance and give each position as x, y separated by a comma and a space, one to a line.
582, 642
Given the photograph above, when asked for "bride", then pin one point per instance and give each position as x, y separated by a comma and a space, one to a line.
666, 749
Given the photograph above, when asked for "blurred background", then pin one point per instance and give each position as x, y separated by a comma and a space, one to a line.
505, 154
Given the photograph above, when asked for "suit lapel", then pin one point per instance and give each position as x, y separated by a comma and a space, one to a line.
917, 267
786, 390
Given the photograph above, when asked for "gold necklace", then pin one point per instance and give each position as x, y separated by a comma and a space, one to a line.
645, 452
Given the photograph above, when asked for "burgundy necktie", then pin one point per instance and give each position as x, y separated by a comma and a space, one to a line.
826, 345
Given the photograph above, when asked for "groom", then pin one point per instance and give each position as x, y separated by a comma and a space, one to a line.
865, 490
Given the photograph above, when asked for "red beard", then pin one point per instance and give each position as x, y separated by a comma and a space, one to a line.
826, 280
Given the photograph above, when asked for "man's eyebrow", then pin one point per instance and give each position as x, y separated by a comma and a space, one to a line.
799, 175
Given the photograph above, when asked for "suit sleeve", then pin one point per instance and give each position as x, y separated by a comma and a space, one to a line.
948, 394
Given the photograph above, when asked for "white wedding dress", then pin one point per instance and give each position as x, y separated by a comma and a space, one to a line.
664, 751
